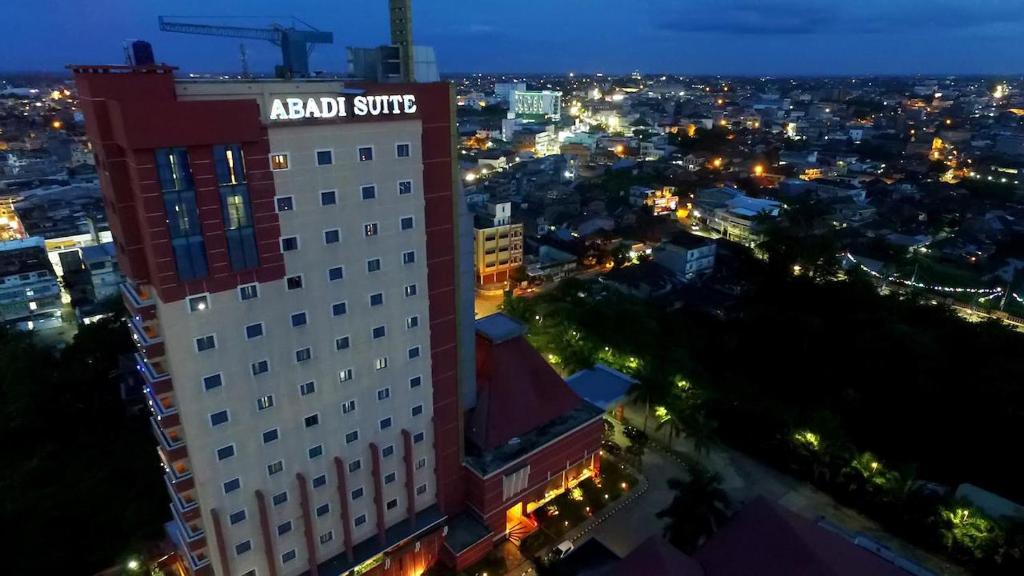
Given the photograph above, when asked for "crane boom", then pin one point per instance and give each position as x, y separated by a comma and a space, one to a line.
295, 44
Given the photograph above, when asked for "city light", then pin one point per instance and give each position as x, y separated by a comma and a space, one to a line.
758, 170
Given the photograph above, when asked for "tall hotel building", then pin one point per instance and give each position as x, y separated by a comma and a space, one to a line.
300, 288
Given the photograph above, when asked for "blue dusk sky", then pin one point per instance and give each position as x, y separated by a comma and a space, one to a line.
752, 37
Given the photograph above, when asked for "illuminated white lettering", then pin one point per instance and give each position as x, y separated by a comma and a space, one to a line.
374, 105
341, 106
395, 100
359, 105
294, 108
312, 110
328, 107
410, 103
277, 111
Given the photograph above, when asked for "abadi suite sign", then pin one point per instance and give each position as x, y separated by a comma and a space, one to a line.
340, 106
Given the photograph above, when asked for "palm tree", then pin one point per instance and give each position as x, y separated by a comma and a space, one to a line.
700, 506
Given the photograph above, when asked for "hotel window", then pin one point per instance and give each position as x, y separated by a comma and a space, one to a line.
380, 363
326, 537
351, 437
279, 498
236, 517
279, 161
417, 410
385, 423
179, 198
264, 402
212, 381
298, 319
418, 437
357, 493
260, 367
303, 354
373, 265
348, 407
307, 388
225, 452
316, 451
323, 510
412, 322
204, 343
370, 229
409, 257
414, 352
289, 243
219, 417
198, 303
236, 206
410, 290
311, 420
285, 203
390, 477
355, 465
383, 393
377, 299
332, 236
342, 343
328, 197
284, 528
415, 381
421, 463
271, 435
293, 282
406, 223
368, 192
324, 157
365, 153
275, 467
232, 485
254, 331
404, 187
320, 481
360, 520
288, 556
345, 375
243, 547
339, 308
421, 489
388, 450
248, 292
402, 150
392, 504
335, 273
378, 332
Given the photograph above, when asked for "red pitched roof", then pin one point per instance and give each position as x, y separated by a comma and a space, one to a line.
655, 557
517, 391
765, 539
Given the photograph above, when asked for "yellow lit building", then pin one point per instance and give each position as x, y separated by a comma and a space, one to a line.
498, 246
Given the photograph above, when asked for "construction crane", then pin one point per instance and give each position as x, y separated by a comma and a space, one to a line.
295, 44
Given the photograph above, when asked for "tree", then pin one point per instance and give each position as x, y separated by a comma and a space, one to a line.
699, 507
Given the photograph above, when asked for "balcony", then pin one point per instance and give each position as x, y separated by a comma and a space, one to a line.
192, 530
162, 405
185, 502
147, 337
154, 373
139, 300
170, 440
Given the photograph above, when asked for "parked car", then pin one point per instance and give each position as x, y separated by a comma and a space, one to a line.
611, 447
562, 550
634, 434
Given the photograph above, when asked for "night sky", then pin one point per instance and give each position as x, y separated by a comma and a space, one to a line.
685, 36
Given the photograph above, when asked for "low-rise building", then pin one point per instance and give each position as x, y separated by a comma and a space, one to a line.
688, 256
29, 294
104, 273
498, 245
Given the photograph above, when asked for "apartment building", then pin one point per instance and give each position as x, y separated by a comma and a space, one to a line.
498, 245
290, 254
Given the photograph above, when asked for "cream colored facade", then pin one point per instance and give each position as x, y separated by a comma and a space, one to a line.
244, 394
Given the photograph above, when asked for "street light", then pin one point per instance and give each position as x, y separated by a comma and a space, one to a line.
134, 565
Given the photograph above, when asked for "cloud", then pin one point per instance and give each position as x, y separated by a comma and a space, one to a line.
849, 17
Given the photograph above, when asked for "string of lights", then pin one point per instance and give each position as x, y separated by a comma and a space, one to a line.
952, 289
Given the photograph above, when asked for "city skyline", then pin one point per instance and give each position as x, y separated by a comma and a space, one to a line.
738, 37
